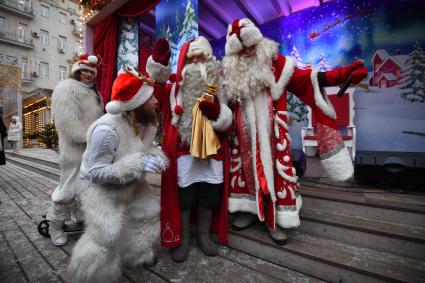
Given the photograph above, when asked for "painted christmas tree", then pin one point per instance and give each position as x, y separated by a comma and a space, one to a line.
190, 23
413, 82
323, 64
298, 61
128, 43
296, 108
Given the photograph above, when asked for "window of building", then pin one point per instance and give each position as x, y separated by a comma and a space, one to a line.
44, 11
24, 68
62, 73
44, 37
23, 5
2, 24
44, 70
22, 32
62, 43
62, 18
78, 48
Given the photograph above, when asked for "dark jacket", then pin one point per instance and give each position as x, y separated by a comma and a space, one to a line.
3, 134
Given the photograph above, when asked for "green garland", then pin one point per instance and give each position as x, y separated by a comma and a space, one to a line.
94, 4
35, 106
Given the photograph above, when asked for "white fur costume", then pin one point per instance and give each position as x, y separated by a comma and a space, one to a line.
75, 106
122, 220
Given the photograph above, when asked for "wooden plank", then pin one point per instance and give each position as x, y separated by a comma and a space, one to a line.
29, 258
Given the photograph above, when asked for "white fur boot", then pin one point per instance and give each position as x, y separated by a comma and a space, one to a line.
57, 235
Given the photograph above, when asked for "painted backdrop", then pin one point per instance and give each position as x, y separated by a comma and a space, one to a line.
176, 21
389, 36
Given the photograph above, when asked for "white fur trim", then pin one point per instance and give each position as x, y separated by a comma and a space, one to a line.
81, 66
173, 102
142, 95
200, 46
93, 59
289, 219
264, 131
321, 98
250, 35
277, 89
128, 169
233, 45
244, 204
157, 71
113, 107
340, 166
224, 120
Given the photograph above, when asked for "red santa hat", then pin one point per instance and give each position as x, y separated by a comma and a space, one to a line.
86, 62
129, 91
195, 46
241, 33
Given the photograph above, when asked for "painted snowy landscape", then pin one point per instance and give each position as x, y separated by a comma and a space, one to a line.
177, 21
389, 36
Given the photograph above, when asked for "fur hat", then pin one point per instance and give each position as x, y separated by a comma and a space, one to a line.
241, 33
199, 46
195, 46
129, 91
86, 62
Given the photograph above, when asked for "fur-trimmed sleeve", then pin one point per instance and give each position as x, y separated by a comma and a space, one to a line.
157, 71
224, 119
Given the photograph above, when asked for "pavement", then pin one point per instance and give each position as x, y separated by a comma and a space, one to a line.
26, 256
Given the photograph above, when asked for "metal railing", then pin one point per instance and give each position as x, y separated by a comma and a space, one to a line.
17, 38
18, 5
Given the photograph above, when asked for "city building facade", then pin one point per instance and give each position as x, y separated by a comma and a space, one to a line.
42, 38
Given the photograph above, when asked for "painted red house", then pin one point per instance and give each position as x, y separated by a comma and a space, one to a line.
387, 70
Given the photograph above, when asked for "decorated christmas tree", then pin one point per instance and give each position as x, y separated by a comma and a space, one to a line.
298, 61
413, 82
323, 64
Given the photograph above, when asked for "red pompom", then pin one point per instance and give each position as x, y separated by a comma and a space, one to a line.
178, 109
172, 77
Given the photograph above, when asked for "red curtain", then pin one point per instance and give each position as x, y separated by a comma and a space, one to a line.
136, 8
144, 52
105, 45
105, 42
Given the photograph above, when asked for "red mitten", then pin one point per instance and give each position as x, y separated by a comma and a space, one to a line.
339, 76
211, 110
161, 51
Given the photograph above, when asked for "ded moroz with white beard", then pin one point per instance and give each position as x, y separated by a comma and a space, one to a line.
194, 123
263, 182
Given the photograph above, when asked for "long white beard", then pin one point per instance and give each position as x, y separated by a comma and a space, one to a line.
249, 76
196, 77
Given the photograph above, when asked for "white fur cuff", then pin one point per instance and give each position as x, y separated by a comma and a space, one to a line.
224, 120
339, 167
321, 99
241, 204
157, 71
289, 219
128, 168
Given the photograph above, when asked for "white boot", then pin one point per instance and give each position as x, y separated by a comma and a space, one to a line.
57, 235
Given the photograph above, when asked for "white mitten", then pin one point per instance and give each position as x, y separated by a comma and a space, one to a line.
152, 163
